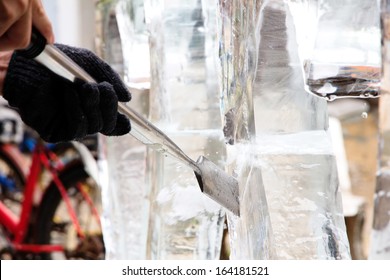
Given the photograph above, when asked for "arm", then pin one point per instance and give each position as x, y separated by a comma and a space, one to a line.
5, 57
16, 19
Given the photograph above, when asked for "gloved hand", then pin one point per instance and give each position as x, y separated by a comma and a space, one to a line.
60, 110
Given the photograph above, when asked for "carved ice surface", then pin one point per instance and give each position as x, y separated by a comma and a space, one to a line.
298, 173
153, 206
279, 148
339, 46
290, 203
128, 206
126, 193
134, 39
238, 24
304, 201
184, 223
184, 80
251, 236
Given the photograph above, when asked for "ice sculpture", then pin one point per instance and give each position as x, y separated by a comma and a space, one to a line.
280, 151
125, 189
339, 46
278, 146
251, 234
184, 224
380, 239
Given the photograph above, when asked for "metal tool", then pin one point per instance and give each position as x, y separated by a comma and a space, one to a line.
213, 181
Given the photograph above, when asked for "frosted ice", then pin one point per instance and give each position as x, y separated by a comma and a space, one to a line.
184, 223
134, 40
379, 249
154, 208
279, 150
303, 142
281, 153
302, 195
339, 44
128, 204
126, 193
183, 69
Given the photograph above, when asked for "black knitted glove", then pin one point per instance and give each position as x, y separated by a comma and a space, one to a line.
60, 110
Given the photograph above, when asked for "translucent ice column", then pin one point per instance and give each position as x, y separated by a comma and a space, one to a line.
339, 46
290, 202
184, 224
380, 238
238, 30
125, 190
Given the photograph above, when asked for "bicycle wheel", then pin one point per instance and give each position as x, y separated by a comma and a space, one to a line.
54, 225
12, 181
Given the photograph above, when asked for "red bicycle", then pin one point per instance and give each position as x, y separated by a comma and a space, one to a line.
50, 212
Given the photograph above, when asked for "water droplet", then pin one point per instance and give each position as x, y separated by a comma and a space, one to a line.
364, 115
330, 97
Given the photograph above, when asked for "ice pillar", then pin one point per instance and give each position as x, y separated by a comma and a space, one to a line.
184, 223
280, 151
124, 45
238, 22
380, 238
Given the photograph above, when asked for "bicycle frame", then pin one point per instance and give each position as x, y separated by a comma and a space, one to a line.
18, 226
